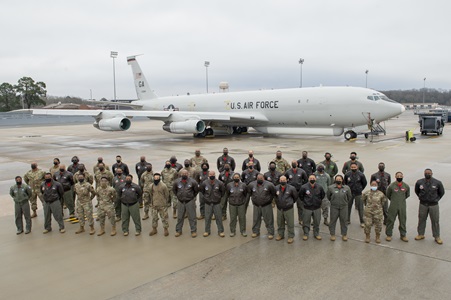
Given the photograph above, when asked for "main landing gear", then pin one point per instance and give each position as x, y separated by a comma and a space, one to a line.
350, 134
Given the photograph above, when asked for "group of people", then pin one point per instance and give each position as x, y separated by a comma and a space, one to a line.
316, 189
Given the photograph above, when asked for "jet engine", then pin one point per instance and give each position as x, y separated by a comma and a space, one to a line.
188, 126
118, 123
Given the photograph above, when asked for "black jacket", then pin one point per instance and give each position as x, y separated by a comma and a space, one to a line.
212, 192
286, 199
312, 197
429, 191
53, 193
263, 194
356, 182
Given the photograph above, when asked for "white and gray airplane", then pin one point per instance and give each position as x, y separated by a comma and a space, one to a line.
298, 111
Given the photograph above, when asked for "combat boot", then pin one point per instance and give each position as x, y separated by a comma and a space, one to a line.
113, 230
34, 215
174, 213
92, 231
146, 216
378, 238
154, 231
166, 232
80, 230
102, 230
367, 239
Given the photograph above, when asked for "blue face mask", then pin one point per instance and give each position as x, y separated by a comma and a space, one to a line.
374, 188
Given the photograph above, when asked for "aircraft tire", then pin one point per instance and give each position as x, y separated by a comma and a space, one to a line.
349, 135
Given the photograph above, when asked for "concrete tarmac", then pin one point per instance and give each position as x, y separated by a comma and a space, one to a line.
69, 266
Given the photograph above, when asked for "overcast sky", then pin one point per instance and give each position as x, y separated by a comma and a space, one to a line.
250, 44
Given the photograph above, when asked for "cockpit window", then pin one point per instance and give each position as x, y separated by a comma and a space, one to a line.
370, 98
376, 98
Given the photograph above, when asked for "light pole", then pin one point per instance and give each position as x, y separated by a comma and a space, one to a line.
301, 61
366, 78
424, 87
206, 64
113, 55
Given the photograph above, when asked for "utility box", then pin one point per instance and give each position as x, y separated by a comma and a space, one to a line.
431, 124
410, 137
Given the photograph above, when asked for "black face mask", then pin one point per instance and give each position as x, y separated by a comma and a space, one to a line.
167, 166
128, 181
197, 154
381, 169
227, 169
205, 169
312, 181
320, 169
100, 161
18, 182
74, 161
34, 167
119, 174
251, 155
156, 181
251, 167
173, 161
149, 169
62, 170
294, 165
304, 156
272, 168
186, 165
212, 177
55, 163
283, 183
338, 182
352, 157
399, 179
142, 160
354, 170
259, 181
236, 179
118, 161
226, 153
101, 168
327, 158
81, 180
184, 177
48, 180
278, 156
428, 176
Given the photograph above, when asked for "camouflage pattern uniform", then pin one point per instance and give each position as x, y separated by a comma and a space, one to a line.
197, 161
84, 193
34, 180
105, 173
54, 169
117, 183
95, 169
106, 197
88, 177
374, 210
282, 165
160, 202
168, 176
144, 183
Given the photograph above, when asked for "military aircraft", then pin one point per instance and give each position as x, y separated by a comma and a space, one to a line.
298, 111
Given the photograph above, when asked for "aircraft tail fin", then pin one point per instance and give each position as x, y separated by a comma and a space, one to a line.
143, 89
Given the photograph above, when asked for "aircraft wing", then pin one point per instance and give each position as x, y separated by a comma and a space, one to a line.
245, 118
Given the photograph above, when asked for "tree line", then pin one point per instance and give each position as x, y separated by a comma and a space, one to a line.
442, 97
26, 92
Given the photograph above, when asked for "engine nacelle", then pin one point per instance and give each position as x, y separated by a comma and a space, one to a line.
113, 124
188, 126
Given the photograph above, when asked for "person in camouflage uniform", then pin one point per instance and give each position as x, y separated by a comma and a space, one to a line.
106, 195
102, 171
160, 201
197, 160
56, 166
168, 175
34, 178
82, 170
118, 181
96, 167
144, 182
84, 192
282, 164
373, 214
